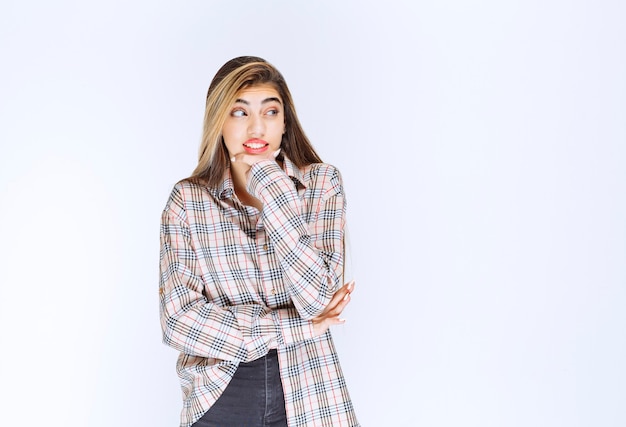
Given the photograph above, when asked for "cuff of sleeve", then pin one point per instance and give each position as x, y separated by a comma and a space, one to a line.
258, 329
292, 328
262, 174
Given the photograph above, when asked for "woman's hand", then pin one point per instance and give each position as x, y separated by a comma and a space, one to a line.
330, 316
250, 159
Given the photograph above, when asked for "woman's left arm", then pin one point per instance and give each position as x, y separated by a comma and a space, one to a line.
310, 253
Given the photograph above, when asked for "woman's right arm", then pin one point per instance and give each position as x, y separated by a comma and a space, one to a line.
194, 325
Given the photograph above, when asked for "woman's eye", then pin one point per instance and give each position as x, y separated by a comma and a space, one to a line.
272, 112
238, 113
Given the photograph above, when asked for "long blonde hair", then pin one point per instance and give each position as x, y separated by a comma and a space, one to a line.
237, 74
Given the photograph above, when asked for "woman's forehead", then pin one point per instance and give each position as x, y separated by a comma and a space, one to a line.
260, 91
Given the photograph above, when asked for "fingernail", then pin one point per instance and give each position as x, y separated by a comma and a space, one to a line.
232, 159
346, 297
276, 153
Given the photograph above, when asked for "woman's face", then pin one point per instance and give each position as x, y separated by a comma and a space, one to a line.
256, 121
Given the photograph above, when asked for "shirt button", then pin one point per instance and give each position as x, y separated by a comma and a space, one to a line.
265, 247
273, 291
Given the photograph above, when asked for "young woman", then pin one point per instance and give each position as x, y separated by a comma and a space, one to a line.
252, 252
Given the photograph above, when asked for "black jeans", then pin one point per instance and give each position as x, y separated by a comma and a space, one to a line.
253, 398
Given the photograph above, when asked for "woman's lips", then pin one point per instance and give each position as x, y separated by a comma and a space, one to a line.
255, 146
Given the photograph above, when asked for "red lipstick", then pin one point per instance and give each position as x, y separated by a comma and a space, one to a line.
255, 146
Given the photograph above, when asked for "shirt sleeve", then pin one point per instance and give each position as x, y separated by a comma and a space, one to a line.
310, 252
195, 326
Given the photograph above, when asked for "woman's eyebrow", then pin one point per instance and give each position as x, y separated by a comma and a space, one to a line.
265, 101
272, 99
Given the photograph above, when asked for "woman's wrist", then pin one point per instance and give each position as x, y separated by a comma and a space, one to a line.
262, 175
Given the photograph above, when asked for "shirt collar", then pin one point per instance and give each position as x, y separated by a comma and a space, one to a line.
226, 189
293, 172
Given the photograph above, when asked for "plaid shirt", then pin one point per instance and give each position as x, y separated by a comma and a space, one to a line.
236, 282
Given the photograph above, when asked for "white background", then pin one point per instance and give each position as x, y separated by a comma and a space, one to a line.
483, 147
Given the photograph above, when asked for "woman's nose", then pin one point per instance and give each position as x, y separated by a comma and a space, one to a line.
256, 127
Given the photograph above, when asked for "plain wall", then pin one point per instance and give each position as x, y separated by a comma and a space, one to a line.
483, 148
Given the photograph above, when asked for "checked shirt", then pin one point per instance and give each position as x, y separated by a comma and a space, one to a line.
236, 282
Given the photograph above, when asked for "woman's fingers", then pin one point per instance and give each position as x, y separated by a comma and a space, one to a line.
242, 158
252, 159
341, 297
341, 293
338, 302
331, 314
